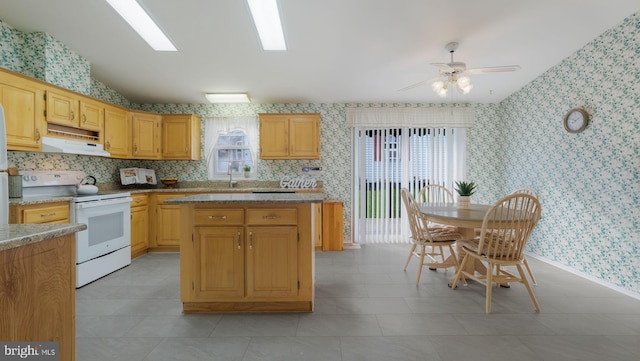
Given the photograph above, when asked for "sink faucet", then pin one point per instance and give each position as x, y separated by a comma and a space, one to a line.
231, 181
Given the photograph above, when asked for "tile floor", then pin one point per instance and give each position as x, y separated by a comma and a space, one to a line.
367, 308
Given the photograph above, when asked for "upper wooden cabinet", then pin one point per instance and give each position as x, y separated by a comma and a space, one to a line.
34, 108
181, 136
21, 99
145, 135
290, 136
72, 110
117, 132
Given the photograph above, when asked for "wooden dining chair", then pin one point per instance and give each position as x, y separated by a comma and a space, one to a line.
531, 192
428, 242
435, 193
506, 228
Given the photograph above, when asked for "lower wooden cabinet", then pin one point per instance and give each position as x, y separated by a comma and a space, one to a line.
37, 288
223, 276
272, 262
246, 258
54, 212
139, 224
165, 223
332, 225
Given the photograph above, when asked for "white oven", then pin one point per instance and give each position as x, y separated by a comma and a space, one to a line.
105, 246
108, 227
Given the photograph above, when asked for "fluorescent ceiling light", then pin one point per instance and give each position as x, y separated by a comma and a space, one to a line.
140, 21
267, 19
228, 98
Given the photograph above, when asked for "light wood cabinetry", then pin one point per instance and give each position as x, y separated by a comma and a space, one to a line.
316, 209
272, 261
72, 110
145, 135
290, 136
181, 136
222, 277
54, 212
21, 99
37, 284
34, 109
62, 108
248, 257
165, 223
139, 224
117, 132
91, 114
332, 225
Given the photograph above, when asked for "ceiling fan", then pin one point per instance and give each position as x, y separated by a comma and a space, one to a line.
455, 74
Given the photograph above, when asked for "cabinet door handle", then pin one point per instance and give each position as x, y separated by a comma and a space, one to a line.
250, 240
108, 145
238, 240
84, 118
217, 217
138, 200
73, 115
135, 148
37, 134
270, 217
48, 214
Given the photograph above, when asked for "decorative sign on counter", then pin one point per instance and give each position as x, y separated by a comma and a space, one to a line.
298, 182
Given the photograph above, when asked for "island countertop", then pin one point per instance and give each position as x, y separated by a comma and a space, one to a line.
248, 197
17, 235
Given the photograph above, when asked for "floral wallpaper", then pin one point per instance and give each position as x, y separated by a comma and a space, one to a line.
588, 182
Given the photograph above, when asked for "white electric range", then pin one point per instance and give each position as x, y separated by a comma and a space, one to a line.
105, 246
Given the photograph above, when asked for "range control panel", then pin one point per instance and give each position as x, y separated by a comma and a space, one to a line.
49, 178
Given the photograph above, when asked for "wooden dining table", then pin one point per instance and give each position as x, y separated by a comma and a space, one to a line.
465, 220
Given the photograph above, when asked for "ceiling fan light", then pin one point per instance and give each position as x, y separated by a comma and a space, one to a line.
437, 86
467, 89
464, 82
442, 92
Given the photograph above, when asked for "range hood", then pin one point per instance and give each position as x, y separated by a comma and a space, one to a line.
58, 145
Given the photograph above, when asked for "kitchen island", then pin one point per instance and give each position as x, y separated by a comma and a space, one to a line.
247, 252
37, 284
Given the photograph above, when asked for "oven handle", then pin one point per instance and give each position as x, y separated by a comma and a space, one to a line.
103, 202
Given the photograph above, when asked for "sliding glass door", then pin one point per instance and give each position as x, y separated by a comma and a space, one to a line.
388, 159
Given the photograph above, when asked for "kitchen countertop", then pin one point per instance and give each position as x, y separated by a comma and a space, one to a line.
17, 235
218, 190
248, 197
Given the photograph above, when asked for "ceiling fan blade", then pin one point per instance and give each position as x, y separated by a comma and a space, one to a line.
444, 68
493, 69
418, 84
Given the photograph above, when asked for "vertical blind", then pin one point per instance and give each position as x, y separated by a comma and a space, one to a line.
388, 159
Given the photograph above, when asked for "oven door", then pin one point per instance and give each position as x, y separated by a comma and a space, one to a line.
108, 227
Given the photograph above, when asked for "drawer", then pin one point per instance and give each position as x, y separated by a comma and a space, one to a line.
212, 217
46, 214
139, 200
272, 216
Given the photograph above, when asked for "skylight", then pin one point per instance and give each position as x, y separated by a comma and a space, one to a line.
142, 23
267, 20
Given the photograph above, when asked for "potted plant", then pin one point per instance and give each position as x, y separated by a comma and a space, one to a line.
465, 191
247, 170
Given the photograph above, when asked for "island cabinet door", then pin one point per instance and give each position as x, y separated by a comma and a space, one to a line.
219, 263
272, 262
